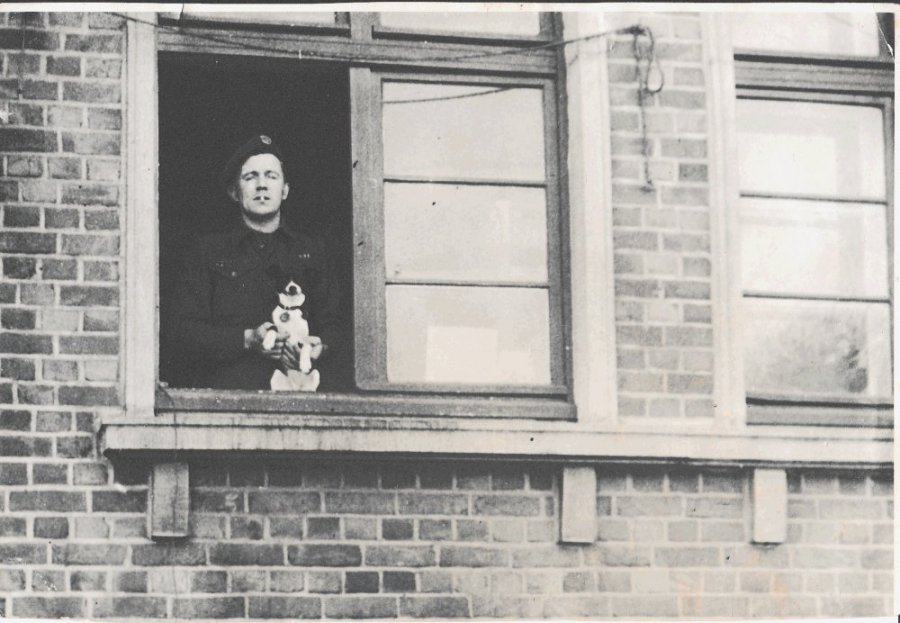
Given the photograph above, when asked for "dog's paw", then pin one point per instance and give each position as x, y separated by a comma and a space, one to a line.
269, 341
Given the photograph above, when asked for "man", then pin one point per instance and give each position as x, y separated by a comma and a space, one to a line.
226, 292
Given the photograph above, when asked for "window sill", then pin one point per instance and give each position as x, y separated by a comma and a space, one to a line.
489, 438
267, 402
822, 411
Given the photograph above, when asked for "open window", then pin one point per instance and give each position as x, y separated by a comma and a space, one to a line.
208, 106
815, 157
432, 171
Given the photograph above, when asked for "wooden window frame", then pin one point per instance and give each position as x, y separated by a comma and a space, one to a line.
370, 281
885, 23
548, 30
340, 26
354, 43
850, 80
407, 58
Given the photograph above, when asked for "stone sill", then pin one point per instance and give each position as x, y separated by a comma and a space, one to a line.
566, 442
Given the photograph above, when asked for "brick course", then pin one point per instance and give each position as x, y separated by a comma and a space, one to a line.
682, 550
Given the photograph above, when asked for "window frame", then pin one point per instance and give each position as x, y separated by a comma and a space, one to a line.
851, 80
339, 26
885, 22
547, 30
406, 58
356, 40
370, 281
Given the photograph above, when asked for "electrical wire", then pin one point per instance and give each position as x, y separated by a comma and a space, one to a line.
645, 60
643, 43
301, 53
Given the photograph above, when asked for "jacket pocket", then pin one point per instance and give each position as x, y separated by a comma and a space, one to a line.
230, 289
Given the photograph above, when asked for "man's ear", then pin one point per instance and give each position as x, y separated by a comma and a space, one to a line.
285, 191
233, 193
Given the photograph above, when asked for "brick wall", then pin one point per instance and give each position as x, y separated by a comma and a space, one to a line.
61, 194
337, 538
349, 539
661, 235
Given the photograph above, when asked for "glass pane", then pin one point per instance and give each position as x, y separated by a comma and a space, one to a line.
468, 233
468, 335
812, 149
844, 34
443, 130
507, 23
807, 247
256, 17
817, 347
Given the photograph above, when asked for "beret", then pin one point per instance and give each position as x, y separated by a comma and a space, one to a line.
259, 144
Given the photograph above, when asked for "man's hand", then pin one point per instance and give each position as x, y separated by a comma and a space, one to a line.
317, 347
253, 341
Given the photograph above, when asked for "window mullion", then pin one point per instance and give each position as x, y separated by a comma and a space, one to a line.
368, 229
361, 25
558, 366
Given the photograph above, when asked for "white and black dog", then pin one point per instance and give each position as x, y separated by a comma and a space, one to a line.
288, 318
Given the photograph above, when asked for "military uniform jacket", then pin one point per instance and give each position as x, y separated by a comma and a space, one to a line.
224, 289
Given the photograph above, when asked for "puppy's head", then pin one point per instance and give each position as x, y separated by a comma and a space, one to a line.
289, 292
291, 295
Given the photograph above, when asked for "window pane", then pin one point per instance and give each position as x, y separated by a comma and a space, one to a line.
812, 149
507, 23
817, 347
807, 247
468, 335
441, 130
850, 34
469, 233
255, 17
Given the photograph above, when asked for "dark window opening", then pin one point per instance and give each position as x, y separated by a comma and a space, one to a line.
208, 105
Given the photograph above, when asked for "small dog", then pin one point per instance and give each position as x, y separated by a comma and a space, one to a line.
288, 318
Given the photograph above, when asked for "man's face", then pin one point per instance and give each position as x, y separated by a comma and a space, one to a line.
261, 187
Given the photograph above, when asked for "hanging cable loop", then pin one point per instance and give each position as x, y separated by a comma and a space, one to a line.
646, 64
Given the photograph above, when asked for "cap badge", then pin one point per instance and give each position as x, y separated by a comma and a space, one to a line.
265, 139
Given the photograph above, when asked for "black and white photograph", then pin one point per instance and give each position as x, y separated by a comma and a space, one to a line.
420, 311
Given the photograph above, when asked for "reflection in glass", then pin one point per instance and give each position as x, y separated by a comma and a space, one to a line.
472, 131
469, 335
258, 17
814, 248
843, 34
468, 233
811, 149
817, 347
520, 23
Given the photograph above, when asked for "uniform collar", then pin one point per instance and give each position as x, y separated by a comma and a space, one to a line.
242, 233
